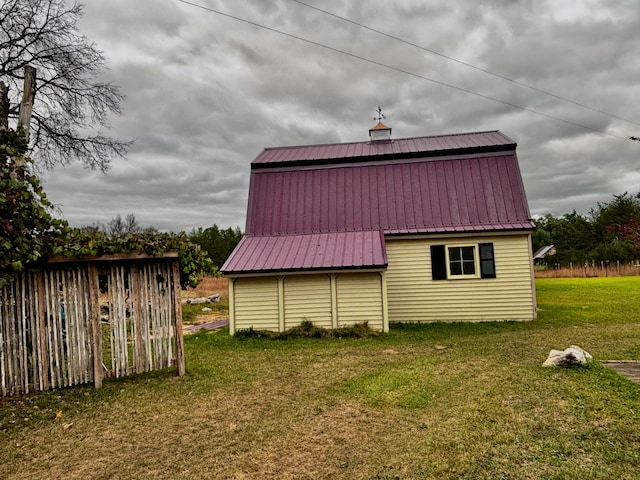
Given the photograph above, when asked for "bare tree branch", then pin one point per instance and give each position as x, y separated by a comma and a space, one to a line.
72, 105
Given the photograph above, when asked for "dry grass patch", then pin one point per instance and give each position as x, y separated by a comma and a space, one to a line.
209, 286
393, 406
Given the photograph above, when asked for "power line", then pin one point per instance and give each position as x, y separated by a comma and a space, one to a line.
475, 67
400, 70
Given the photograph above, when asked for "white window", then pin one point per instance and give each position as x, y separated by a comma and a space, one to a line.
461, 261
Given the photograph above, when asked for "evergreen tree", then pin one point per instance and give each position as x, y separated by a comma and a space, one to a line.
217, 243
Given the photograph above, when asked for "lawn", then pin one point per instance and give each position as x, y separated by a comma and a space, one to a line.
445, 401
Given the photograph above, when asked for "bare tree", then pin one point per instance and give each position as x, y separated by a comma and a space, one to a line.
119, 226
71, 103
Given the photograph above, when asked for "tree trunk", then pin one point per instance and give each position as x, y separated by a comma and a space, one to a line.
28, 96
4, 106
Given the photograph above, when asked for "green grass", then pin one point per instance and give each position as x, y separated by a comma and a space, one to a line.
444, 401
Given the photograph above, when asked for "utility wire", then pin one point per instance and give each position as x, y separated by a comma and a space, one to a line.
516, 82
397, 69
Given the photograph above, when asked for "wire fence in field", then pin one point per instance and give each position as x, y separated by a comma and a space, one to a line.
588, 269
73, 324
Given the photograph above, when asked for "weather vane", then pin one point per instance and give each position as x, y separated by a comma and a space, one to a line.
380, 115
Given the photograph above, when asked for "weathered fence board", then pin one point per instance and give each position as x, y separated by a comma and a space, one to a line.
72, 325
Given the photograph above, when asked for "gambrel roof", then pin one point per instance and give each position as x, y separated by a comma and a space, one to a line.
442, 184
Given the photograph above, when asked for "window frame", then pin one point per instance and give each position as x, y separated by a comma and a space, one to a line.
462, 276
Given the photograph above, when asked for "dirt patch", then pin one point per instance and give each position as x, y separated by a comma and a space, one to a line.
213, 325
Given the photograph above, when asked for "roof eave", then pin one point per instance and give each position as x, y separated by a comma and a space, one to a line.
358, 268
460, 230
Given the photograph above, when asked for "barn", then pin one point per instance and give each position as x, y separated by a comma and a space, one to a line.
425, 229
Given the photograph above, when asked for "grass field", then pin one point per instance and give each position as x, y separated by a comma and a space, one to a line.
442, 401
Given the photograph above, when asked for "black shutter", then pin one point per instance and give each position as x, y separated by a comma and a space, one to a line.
487, 262
438, 263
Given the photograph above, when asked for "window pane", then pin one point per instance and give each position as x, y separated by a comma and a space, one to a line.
467, 253
469, 267
456, 268
454, 254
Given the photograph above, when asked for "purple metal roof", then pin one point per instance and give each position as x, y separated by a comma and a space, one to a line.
436, 195
328, 251
396, 147
299, 208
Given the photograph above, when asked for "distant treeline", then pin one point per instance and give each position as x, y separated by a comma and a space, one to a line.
609, 232
216, 242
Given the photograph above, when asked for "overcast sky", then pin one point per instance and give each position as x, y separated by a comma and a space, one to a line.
206, 93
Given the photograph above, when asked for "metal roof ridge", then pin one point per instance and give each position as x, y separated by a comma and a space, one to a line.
459, 134
290, 147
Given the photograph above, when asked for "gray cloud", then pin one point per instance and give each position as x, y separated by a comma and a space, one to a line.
206, 93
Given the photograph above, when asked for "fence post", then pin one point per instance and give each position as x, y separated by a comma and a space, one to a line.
96, 327
45, 384
177, 324
135, 295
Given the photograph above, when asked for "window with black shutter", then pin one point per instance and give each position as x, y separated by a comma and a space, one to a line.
457, 262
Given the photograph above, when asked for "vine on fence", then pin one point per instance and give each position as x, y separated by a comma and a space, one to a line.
27, 226
194, 263
29, 233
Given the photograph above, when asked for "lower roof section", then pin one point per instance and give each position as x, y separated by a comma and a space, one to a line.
318, 251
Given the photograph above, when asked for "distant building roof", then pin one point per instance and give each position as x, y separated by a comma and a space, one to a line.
444, 184
544, 251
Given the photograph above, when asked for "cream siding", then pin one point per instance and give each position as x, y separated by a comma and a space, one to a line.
255, 303
328, 300
307, 297
414, 297
360, 299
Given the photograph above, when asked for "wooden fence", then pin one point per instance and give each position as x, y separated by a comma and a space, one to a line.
76, 322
